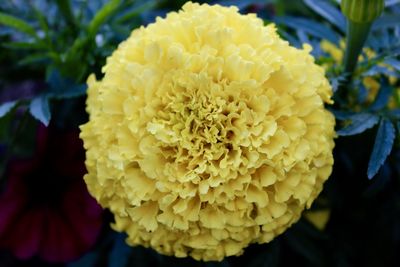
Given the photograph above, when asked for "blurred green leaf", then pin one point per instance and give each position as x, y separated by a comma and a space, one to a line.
383, 97
386, 21
17, 24
337, 81
24, 45
137, 10
313, 28
329, 12
101, 16
382, 147
62, 88
65, 7
35, 58
7, 107
393, 62
40, 109
378, 69
359, 123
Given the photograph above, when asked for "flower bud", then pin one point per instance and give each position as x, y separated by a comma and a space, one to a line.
362, 11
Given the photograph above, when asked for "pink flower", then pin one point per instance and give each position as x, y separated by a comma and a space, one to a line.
45, 209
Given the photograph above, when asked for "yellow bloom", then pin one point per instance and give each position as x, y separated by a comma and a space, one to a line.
207, 133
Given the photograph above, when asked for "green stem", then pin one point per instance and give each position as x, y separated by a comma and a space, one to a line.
357, 34
66, 10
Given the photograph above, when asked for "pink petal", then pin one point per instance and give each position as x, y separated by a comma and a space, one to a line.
59, 240
26, 234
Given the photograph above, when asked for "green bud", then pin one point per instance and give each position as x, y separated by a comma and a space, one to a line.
362, 11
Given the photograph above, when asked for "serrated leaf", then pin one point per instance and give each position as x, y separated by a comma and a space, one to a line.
329, 12
7, 107
359, 123
382, 147
311, 27
17, 24
40, 109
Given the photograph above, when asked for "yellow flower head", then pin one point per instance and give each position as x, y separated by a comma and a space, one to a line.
207, 133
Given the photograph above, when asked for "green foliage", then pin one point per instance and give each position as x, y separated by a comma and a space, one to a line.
17, 23
382, 147
40, 109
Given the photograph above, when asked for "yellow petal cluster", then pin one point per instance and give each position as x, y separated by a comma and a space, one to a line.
207, 133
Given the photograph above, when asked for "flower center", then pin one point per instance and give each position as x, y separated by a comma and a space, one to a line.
204, 126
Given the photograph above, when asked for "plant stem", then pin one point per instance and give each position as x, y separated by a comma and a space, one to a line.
357, 34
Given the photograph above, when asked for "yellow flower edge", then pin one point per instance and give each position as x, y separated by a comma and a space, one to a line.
207, 133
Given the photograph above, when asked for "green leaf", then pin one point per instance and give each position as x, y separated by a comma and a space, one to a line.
40, 109
65, 8
313, 28
377, 70
359, 123
329, 12
382, 147
386, 21
337, 81
101, 16
137, 10
17, 24
7, 107
34, 58
383, 97
394, 63
24, 45
61, 87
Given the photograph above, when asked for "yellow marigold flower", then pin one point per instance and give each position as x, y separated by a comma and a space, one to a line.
207, 133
